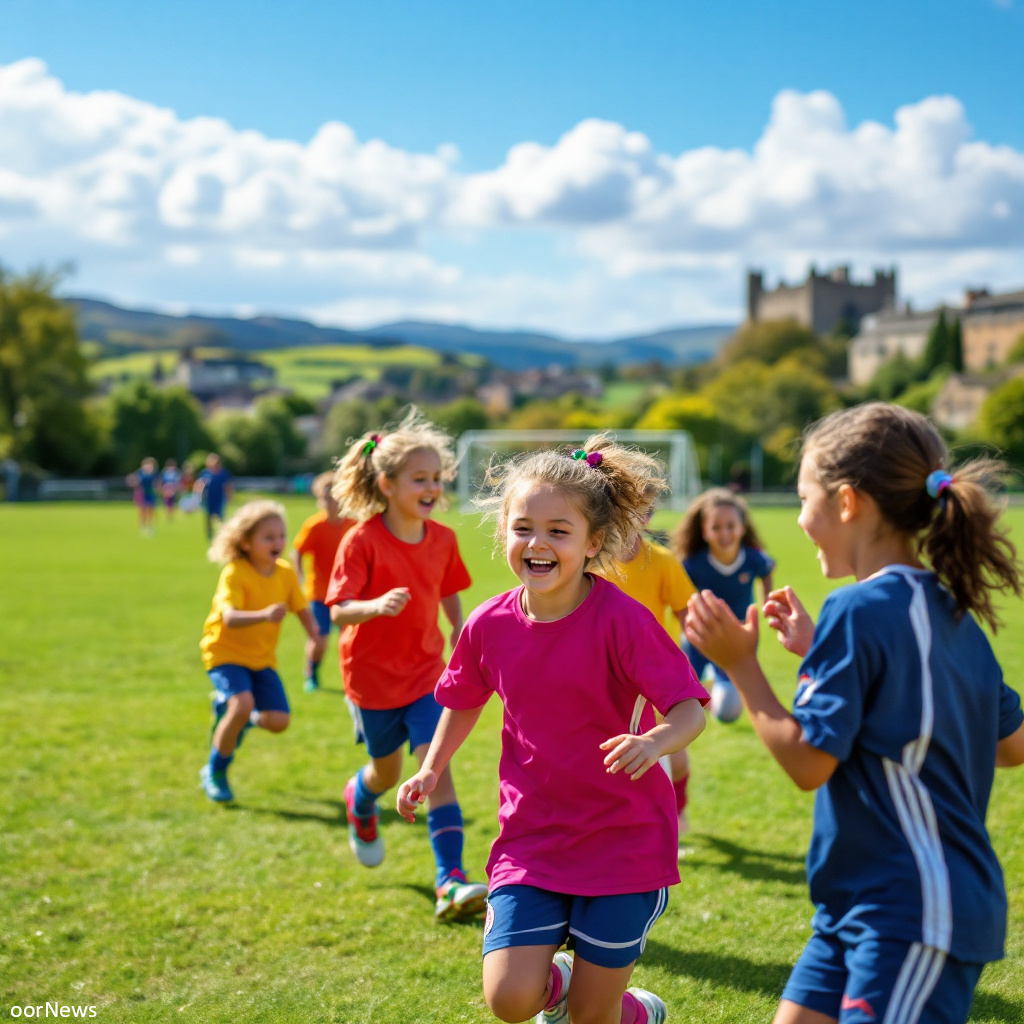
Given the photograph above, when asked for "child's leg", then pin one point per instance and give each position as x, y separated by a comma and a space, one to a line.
315, 648
271, 702
598, 995
225, 736
518, 981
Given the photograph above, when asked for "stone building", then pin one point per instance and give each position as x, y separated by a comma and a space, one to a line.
992, 325
823, 301
887, 334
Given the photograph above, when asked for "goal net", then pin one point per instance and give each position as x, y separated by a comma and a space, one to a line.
673, 447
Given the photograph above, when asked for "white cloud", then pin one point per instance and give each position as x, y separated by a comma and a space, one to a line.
196, 212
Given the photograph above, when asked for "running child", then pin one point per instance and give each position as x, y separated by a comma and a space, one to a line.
587, 842
721, 552
319, 538
170, 482
216, 487
257, 588
900, 718
143, 483
393, 572
652, 575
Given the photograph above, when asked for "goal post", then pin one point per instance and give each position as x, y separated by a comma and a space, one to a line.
674, 447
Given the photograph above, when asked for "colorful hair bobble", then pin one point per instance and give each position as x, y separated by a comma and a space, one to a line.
371, 444
592, 459
937, 482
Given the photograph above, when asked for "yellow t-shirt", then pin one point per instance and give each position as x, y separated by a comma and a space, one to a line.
241, 587
657, 581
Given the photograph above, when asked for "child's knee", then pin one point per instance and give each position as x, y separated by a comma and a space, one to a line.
509, 1000
274, 721
241, 704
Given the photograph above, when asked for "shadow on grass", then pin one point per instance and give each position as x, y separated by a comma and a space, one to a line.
996, 1007
754, 864
731, 971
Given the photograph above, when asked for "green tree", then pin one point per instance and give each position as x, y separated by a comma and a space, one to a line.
265, 443
43, 379
956, 346
459, 416
146, 420
937, 349
770, 341
1001, 420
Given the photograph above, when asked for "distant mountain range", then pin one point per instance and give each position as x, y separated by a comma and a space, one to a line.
120, 330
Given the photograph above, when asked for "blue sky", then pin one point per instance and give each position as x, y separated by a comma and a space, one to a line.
590, 168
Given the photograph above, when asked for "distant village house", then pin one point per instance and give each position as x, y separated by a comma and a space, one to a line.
992, 326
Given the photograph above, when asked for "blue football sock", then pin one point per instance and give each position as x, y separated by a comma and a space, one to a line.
218, 762
445, 825
366, 799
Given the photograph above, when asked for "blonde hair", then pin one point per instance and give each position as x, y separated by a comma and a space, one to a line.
688, 537
889, 452
357, 478
227, 545
614, 489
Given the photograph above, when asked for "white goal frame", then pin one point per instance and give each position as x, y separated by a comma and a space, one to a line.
683, 470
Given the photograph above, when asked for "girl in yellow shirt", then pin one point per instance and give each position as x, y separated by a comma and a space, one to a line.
257, 588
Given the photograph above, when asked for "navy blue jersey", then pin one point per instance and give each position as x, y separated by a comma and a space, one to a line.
734, 584
146, 482
911, 700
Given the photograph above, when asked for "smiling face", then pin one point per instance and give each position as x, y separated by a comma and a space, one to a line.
264, 545
547, 544
413, 492
723, 531
820, 518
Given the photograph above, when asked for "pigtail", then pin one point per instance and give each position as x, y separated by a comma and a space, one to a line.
355, 487
964, 544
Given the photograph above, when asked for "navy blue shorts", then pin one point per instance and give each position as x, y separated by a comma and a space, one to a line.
609, 931
386, 731
263, 683
706, 671
322, 614
875, 980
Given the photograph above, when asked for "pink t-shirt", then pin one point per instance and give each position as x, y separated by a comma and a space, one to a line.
566, 825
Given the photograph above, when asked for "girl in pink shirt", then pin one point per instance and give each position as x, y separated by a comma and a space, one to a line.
587, 843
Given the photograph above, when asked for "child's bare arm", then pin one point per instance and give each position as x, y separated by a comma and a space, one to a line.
297, 562
450, 734
636, 754
1010, 751
234, 618
713, 629
309, 623
351, 613
452, 606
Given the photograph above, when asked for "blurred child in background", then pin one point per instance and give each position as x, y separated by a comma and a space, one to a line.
319, 538
652, 575
256, 589
143, 483
587, 841
216, 487
721, 552
170, 483
392, 574
900, 718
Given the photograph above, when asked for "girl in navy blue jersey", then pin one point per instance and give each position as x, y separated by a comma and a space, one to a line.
901, 716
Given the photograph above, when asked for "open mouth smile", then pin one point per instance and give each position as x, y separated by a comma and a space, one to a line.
539, 566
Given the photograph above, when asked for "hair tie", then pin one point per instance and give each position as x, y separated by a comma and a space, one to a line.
937, 482
371, 444
593, 459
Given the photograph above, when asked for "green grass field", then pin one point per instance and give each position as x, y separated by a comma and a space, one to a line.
123, 888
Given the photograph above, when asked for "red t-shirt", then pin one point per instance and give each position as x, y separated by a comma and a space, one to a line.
320, 539
391, 661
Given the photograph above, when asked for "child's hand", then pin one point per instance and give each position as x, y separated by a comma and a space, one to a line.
713, 629
412, 793
275, 612
630, 754
788, 617
393, 601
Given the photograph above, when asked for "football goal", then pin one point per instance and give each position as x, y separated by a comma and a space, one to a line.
674, 448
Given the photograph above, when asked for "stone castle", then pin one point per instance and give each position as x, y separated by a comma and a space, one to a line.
824, 301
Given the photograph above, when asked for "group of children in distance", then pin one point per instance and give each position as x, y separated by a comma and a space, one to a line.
211, 490
901, 714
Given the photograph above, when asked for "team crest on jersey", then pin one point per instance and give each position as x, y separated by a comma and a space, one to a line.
805, 687
744, 578
489, 920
